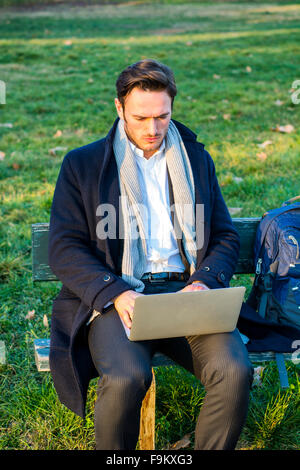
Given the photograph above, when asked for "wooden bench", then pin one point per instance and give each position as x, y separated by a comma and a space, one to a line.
41, 271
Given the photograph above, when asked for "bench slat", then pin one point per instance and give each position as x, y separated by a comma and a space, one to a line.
41, 270
42, 348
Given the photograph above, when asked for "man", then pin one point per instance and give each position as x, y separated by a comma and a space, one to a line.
145, 166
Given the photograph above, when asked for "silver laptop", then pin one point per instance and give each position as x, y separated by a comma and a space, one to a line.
185, 313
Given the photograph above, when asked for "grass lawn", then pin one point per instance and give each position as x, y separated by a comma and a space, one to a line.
235, 65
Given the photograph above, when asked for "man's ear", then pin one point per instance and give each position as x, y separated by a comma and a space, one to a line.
119, 108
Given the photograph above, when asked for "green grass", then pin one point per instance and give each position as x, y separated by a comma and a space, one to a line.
60, 65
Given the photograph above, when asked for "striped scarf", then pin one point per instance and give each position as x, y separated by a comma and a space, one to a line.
134, 258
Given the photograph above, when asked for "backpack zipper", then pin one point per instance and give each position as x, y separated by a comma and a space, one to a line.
258, 266
291, 237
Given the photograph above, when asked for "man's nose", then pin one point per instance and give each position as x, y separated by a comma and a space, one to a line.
152, 127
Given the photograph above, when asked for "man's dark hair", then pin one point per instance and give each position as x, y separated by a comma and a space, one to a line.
147, 75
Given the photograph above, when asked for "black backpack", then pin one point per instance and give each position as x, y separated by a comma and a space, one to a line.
275, 293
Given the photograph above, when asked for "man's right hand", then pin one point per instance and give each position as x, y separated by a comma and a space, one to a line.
124, 304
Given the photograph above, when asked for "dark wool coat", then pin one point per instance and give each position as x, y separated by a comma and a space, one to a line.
89, 267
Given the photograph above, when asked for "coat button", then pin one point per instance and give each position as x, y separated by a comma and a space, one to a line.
106, 277
206, 268
222, 276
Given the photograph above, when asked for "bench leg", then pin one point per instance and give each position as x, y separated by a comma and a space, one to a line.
283, 376
147, 421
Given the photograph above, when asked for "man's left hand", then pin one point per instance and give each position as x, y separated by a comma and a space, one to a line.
196, 285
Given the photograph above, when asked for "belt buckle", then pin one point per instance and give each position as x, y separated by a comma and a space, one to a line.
158, 280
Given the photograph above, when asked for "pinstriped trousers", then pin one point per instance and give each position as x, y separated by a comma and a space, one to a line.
220, 362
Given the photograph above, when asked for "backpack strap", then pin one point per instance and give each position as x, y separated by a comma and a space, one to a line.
266, 292
285, 203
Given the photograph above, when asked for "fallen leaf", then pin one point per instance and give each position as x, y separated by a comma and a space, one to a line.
6, 124
90, 80
68, 42
265, 144
212, 117
182, 443
216, 77
227, 117
262, 156
248, 69
57, 149
30, 314
16, 166
237, 179
45, 321
58, 133
2, 155
189, 43
278, 103
234, 210
285, 129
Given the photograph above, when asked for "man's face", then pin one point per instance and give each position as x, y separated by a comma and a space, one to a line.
146, 116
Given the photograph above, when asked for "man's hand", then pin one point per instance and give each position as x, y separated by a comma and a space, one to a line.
196, 285
124, 304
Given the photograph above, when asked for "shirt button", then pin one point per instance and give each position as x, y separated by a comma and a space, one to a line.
106, 277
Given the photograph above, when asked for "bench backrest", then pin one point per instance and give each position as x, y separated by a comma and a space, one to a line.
41, 270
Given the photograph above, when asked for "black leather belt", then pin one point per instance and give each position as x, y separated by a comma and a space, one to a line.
164, 276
